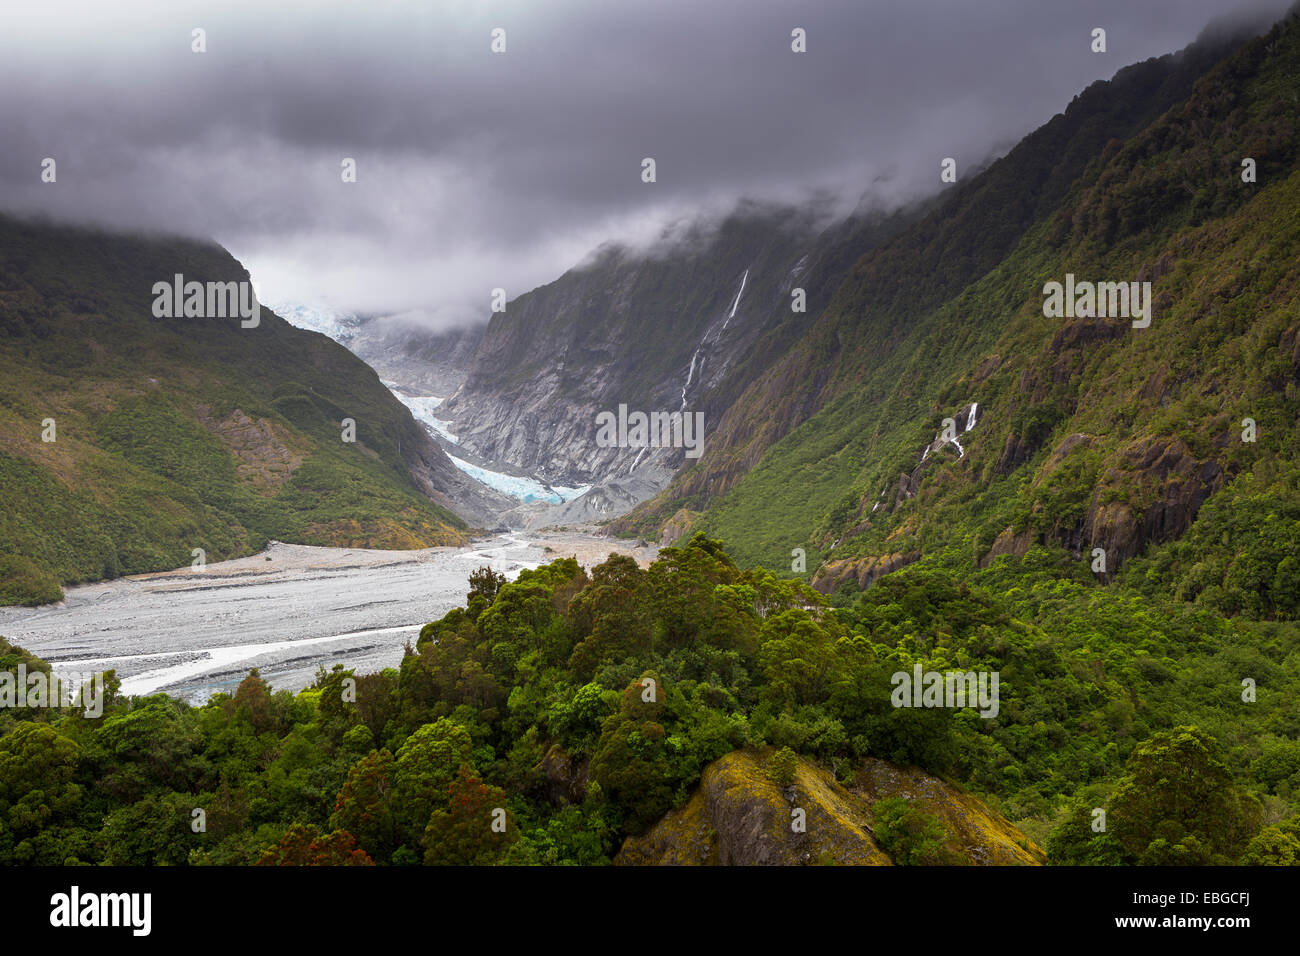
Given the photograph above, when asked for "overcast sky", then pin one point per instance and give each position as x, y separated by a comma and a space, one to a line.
476, 169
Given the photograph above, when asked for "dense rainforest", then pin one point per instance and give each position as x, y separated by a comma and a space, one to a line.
555, 716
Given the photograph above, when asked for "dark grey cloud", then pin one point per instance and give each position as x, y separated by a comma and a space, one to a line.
478, 170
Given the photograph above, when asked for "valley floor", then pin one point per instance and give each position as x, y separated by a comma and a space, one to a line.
286, 611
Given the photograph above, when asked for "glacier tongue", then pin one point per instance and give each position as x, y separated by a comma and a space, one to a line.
525, 489
422, 407
338, 326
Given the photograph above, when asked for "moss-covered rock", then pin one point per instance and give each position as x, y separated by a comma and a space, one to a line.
739, 816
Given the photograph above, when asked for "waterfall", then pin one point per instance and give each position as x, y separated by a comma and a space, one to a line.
690, 374
737, 302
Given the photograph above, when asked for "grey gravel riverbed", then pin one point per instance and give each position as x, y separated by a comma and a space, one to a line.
285, 611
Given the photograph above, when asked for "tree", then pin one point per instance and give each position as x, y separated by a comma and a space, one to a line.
473, 829
610, 617
37, 793
154, 831
909, 835
303, 845
1277, 845
633, 770
485, 583
1176, 789
798, 658
1073, 842
253, 696
365, 805
339, 712
781, 767
425, 766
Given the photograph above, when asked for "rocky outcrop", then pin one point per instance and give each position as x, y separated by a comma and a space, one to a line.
1015, 452
1009, 542
565, 777
267, 453
976, 833
739, 816
865, 571
678, 527
1072, 443
1152, 496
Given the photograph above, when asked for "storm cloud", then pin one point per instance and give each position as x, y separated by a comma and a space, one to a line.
478, 169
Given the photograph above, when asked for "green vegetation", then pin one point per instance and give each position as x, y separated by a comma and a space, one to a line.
1146, 714
573, 710
949, 312
175, 434
909, 835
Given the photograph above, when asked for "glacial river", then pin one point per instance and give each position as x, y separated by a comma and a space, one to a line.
285, 611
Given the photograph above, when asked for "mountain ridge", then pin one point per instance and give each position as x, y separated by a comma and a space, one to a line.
172, 435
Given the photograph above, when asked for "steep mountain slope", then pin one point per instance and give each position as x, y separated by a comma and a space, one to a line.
847, 359
1087, 432
683, 326
175, 434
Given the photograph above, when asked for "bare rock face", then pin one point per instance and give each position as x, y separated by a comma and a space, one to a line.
1081, 333
739, 816
566, 778
677, 528
1009, 542
866, 571
1072, 443
1289, 346
1163, 484
268, 454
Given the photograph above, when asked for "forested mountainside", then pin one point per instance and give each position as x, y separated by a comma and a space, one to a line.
949, 313
1090, 433
127, 441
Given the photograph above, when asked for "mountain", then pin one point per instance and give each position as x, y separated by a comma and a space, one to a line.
702, 321
175, 434
1087, 433
681, 326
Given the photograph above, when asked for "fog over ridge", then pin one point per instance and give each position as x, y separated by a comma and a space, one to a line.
479, 170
